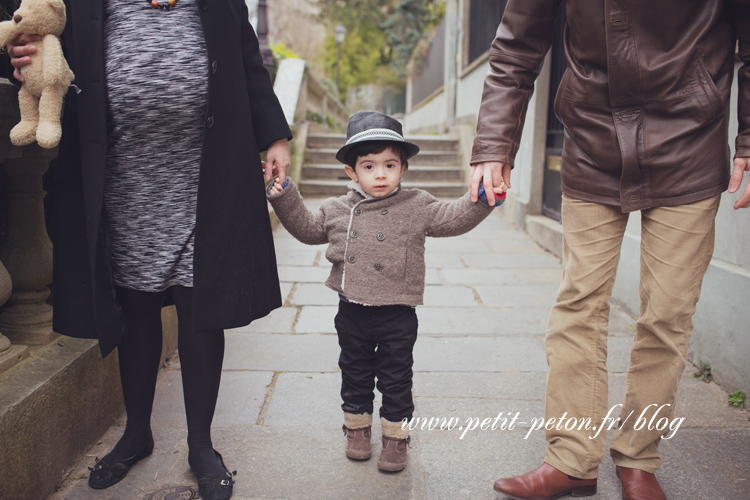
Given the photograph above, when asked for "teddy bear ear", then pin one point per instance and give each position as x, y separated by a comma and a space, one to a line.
58, 5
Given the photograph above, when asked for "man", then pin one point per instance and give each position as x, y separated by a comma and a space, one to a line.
645, 104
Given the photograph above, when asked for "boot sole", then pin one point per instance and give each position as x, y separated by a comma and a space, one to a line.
358, 455
391, 467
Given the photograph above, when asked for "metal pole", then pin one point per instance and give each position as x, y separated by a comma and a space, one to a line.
339, 34
338, 69
265, 50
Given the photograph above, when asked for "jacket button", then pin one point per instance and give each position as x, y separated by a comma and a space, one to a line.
378, 266
357, 211
352, 259
204, 4
214, 65
210, 122
384, 212
380, 236
354, 233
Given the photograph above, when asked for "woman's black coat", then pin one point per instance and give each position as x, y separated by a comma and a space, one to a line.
235, 277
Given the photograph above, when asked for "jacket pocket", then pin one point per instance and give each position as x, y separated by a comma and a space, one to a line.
712, 101
560, 93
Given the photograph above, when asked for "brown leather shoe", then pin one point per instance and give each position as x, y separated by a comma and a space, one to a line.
545, 483
358, 443
638, 484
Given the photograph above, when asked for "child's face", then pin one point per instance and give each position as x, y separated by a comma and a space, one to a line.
378, 174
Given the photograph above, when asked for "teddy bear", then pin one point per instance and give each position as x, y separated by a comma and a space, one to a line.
47, 77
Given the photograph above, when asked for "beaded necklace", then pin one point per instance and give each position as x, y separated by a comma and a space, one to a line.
156, 4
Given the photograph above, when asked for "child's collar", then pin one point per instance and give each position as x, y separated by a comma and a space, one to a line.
354, 186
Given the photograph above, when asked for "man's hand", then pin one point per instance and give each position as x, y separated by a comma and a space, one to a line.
20, 51
496, 175
741, 165
277, 160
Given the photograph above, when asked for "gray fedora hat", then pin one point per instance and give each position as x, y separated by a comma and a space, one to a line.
373, 126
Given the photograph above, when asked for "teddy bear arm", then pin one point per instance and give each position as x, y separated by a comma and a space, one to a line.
55, 68
8, 32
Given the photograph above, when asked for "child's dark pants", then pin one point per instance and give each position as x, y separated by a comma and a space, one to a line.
377, 341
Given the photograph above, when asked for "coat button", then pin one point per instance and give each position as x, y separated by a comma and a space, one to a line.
378, 266
214, 65
380, 236
384, 212
204, 4
210, 122
352, 259
354, 233
357, 211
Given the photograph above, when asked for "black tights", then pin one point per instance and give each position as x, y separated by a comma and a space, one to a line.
201, 357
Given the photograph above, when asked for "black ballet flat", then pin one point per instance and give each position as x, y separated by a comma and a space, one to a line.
215, 488
106, 473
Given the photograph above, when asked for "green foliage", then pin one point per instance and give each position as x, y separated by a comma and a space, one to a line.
323, 120
737, 399
281, 51
380, 38
411, 22
704, 372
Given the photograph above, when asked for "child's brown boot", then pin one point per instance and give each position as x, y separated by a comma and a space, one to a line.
358, 430
395, 441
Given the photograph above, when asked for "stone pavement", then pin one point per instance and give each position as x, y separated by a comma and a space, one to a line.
480, 353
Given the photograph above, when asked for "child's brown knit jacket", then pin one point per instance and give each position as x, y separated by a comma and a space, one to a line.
376, 245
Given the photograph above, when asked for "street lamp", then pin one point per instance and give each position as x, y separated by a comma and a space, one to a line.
339, 33
265, 51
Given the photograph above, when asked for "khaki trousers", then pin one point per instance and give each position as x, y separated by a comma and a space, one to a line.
676, 248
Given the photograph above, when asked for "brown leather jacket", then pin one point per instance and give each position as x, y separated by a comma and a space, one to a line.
644, 101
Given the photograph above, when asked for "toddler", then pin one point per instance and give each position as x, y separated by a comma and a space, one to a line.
376, 242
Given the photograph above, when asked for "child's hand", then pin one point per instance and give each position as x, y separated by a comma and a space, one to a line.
498, 193
498, 190
275, 187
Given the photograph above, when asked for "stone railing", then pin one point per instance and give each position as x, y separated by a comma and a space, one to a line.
304, 96
26, 250
306, 103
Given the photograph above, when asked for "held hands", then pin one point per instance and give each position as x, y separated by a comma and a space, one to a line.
20, 51
741, 165
496, 179
276, 187
277, 160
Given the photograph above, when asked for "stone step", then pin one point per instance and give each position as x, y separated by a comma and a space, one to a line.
323, 188
426, 158
425, 142
414, 173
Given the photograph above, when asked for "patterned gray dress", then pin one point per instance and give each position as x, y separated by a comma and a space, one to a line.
157, 85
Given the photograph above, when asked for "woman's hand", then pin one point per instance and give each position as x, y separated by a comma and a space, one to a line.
277, 160
20, 51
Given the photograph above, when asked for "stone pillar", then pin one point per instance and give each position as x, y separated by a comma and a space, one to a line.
27, 250
9, 354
